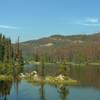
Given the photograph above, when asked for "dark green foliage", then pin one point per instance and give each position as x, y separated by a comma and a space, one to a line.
6, 68
7, 55
1, 53
36, 57
6, 50
64, 69
5, 87
42, 65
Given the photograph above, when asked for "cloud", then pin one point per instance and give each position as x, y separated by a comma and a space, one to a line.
92, 20
89, 22
7, 27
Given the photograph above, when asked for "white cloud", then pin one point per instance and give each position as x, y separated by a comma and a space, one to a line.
92, 20
89, 22
8, 27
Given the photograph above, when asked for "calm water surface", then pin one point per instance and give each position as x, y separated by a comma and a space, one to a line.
89, 88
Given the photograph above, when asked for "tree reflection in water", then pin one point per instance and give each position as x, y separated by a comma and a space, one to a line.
87, 75
16, 86
42, 91
5, 87
63, 91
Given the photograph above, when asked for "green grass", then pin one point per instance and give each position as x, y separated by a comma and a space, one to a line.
94, 63
71, 63
83, 64
53, 80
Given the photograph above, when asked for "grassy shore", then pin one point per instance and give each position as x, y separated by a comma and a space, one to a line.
47, 80
6, 77
53, 80
69, 63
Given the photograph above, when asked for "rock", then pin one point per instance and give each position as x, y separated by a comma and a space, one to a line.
34, 72
35, 76
60, 77
22, 75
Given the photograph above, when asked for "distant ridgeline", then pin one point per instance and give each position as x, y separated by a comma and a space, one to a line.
8, 55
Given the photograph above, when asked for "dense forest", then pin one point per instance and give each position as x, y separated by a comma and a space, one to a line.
6, 49
8, 55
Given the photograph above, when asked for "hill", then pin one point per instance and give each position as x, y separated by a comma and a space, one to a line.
59, 46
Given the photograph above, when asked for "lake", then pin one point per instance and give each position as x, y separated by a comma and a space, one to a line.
89, 88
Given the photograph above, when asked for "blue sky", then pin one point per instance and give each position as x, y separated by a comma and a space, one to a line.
33, 19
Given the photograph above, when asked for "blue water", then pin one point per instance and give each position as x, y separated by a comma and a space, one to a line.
28, 91
89, 88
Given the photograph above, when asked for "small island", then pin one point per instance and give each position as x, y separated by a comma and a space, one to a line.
61, 78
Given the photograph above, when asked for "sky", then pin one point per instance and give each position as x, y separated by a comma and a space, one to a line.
33, 19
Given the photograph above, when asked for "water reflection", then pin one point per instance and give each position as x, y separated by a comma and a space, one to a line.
26, 91
63, 91
22, 90
16, 87
88, 76
42, 91
5, 87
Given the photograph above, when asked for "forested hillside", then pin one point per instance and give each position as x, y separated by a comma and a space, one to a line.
75, 48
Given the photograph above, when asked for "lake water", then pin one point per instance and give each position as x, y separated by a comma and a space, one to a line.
89, 88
